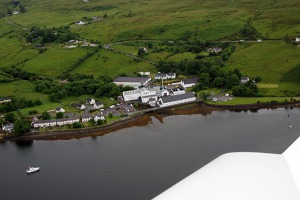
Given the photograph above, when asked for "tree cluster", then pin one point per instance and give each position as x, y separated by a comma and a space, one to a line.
78, 85
46, 35
18, 103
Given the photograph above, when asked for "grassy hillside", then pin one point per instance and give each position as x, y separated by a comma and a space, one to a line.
276, 63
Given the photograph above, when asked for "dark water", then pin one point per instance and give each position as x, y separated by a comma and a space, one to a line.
139, 162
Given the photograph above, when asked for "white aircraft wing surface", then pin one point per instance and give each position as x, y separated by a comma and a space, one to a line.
243, 176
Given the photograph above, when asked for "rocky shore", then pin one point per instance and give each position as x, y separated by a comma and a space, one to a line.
143, 119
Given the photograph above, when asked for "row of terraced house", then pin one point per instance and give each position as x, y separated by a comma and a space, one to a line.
65, 121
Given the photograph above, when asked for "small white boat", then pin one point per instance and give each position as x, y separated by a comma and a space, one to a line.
32, 169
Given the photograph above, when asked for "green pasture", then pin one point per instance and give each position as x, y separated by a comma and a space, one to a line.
250, 100
54, 61
277, 63
110, 63
20, 89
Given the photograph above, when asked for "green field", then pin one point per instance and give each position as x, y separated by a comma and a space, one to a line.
276, 62
21, 89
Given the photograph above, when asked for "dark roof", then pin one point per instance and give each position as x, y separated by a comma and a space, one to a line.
177, 97
190, 80
98, 103
171, 74
89, 99
160, 75
5, 98
131, 79
77, 105
244, 78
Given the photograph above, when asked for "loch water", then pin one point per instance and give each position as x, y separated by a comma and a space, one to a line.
139, 163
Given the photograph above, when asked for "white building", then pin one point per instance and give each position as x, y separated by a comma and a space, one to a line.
190, 82
86, 118
90, 101
144, 94
59, 109
8, 127
79, 106
5, 99
132, 81
99, 117
176, 99
244, 79
98, 105
297, 39
80, 23
165, 76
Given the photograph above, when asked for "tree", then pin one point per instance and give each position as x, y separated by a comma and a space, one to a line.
59, 115
21, 126
100, 122
232, 80
1, 121
9, 117
204, 95
46, 116
110, 115
92, 122
77, 125
22, 8
219, 82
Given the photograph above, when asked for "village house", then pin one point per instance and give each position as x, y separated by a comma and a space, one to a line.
15, 12
99, 117
176, 99
190, 82
215, 50
80, 23
98, 105
165, 76
244, 79
8, 127
135, 82
60, 109
5, 99
90, 101
79, 106
86, 118
54, 122
297, 39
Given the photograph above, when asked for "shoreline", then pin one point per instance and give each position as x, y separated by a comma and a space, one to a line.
144, 118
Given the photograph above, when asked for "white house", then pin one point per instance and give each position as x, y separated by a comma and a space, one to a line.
86, 118
132, 81
8, 127
164, 76
297, 39
5, 99
98, 105
79, 106
99, 117
176, 99
60, 109
15, 12
244, 79
90, 101
80, 23
215, 50
54, 122
190, 82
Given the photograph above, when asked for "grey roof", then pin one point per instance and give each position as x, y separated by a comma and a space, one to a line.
160, 75
98, 103
131, 79
89, 99
177, 97
190, 80
77, 105
5, 98
171, 74
244, 78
